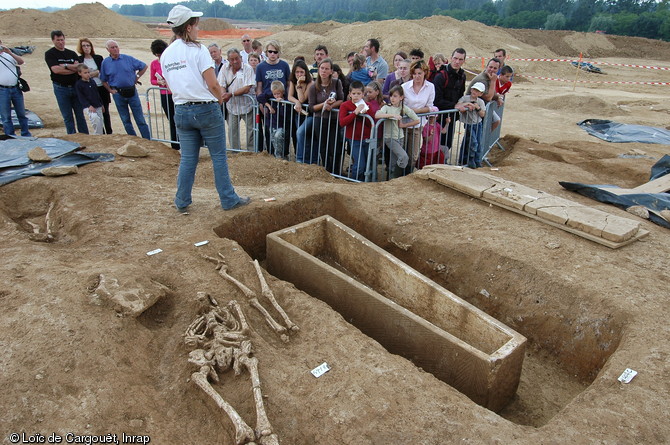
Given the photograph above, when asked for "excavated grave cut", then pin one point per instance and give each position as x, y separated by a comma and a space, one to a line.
374, 291
571, 335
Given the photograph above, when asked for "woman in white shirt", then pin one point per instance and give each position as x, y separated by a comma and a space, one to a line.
419, 96
188, 70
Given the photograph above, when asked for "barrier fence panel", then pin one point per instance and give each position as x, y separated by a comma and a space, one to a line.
241, 126
492, 127
240, 122
160, 115
364, 150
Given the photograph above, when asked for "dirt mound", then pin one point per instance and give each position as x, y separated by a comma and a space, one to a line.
581, 102
570, 44
213, 24
83, 20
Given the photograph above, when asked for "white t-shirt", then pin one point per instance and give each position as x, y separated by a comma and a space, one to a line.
8, 75
183, 64
90, 63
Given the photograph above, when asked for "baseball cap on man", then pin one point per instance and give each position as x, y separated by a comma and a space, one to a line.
180, 14
479, 87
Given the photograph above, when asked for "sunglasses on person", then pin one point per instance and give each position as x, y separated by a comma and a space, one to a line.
272, 51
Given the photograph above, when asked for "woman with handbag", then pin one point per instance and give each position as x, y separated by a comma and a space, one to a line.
93, 61
11, 93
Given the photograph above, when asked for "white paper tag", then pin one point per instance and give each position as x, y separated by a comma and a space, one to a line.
154, 252
201, 243
627, 376
320, 370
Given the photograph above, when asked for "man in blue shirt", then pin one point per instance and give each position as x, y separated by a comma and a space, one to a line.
119, 74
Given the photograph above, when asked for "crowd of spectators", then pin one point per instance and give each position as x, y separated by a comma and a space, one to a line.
306, 101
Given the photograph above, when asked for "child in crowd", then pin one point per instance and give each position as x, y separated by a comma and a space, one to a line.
360, 71
504, 81
472, 117
253, 60
357, 128
257, 48
399, 116
430, 150
277, 117
89, 98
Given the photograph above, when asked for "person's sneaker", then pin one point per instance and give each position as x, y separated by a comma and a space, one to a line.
244, 200
183, 210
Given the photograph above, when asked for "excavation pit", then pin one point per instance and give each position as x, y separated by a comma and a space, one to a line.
571, 333
403, 310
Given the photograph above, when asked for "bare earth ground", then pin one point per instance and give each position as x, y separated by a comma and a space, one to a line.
71, 364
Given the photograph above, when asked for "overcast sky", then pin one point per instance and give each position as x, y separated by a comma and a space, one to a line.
9, 4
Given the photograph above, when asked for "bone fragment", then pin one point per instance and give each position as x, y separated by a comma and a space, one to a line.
267, 293
243, 432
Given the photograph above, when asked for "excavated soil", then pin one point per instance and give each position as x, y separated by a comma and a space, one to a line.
72, 363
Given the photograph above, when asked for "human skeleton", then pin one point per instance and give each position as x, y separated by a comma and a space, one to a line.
220, 335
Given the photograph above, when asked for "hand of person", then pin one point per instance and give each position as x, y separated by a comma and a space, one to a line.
270, 109
227, 96
396, 117
91, 109
297, 108
359, 109
446, 121
326, 105
301, 79
501, 100
161, 82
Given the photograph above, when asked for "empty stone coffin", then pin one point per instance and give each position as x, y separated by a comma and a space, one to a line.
407, 313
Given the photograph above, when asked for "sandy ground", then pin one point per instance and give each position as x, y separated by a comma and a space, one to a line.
71, 363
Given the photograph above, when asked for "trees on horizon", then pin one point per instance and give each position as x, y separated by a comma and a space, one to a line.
643, 18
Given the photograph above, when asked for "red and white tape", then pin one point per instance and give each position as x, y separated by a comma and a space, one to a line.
629, 65
592, 81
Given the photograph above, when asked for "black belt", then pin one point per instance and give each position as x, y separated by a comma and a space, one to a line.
201, 102
62, 85
3, 86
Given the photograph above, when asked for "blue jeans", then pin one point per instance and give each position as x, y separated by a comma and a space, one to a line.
303, 152
9, 96
196, 124
471, 150
122, 106
359, 156
68, 103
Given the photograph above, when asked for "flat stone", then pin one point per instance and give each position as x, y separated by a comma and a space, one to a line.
547, 201
131, 150
463, 181
620, 229
60, 170
38, 154
512, 194
130, 295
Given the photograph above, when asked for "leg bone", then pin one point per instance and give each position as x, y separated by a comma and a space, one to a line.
263, 427
267, 293
243, 432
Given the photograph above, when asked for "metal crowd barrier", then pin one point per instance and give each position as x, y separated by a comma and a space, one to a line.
295, 136
491, 137
241, 120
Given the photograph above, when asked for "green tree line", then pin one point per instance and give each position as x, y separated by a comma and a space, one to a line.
643, 18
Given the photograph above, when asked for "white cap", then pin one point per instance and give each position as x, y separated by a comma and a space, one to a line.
180, 14
479, 87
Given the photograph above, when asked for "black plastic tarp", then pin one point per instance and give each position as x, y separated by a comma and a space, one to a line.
654, 202
15, 164
611, 131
